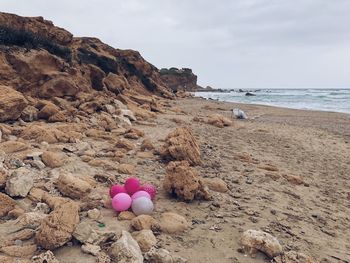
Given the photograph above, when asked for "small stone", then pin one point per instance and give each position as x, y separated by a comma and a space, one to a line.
91, 249
6, 204
73, 187
19, 251
147, 145
29, 114
94, 214
162, 255
146, 239
143, 222
173, 223
13, 146
126, 169
126, 215
261, 241
53, 159
215, 184
125, 250
42, 208
20, 182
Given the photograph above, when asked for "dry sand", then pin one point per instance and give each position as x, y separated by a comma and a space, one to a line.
308, 148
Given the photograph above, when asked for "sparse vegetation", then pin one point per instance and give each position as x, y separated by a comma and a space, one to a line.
26, 39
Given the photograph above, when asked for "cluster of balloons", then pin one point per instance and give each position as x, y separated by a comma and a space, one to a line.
133, 195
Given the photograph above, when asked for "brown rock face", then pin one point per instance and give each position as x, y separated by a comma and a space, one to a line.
52, 159
181, 145
184, 182
11, 103
179, 79
57, 228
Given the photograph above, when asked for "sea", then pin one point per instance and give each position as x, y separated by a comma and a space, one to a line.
334, 100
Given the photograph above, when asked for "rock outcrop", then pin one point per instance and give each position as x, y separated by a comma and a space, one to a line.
181, 145
183, 181
179, 79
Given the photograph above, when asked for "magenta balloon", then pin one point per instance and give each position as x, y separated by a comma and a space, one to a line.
132, 185
116, 189
140, 194
121, 202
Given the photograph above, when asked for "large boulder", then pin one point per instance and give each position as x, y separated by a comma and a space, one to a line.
181, 145
12, 103
183, 181
125, 250
57, 228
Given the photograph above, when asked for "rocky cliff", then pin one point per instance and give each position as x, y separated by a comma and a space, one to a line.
40, 62
179, 79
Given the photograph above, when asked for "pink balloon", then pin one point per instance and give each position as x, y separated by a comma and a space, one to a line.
116, 189
149, 188
121, 202
140, 194
132, 185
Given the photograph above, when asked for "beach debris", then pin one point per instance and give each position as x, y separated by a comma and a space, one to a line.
133, 195
173, 223
262, 241
125, 250
183, 181
219, 121
181, 145
57, 228
239, 114
146, 239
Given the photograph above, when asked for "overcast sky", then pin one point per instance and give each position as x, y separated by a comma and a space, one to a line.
227, 43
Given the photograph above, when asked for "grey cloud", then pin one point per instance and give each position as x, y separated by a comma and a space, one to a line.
228, 43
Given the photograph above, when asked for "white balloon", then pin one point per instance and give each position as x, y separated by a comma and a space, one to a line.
142, 206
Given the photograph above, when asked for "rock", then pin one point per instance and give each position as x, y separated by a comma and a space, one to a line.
219, 121
19, 251
46, 257
29, 114
134, 134
125, 250
6, 204
94, 214
20, 182
42, 208
57, 228
143, 222
161, 255
116, 83
145, 239
0, 135
3, 177
127, 113
16, 213
294, 179
184, 182
48, 110
85, 233
181, 145
12, 103
73, 187
13, 146
91, 249
262, 241
147, 145
126, 215
215, 184
294, 257
173, 223
52, 159
125, 144
126, 169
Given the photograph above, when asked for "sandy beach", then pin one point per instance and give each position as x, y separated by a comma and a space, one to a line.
304, 200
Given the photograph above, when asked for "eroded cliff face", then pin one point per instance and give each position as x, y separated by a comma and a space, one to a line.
179, 79
42, 61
